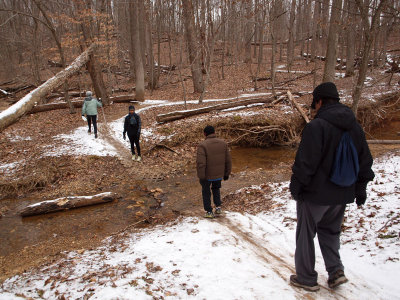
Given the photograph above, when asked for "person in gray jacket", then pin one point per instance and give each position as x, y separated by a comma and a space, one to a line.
89, 108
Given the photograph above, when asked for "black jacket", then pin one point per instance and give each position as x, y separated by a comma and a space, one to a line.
132, 129
316, 153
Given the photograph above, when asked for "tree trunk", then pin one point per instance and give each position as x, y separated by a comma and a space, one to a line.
193, 48
14, 112
136, 47
315, 31
66, 203
290, 44
351, 37
330, 63
369, 33
247, 32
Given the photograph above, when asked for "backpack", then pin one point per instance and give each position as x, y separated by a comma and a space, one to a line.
132, 121
345, 167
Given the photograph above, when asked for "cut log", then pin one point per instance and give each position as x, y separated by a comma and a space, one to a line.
383, 142
176, 115
66, 203
291, 98
14, 112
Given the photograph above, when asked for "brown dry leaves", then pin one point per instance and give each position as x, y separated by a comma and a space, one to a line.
251, 200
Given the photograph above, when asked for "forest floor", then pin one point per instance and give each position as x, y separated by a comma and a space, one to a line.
49, 155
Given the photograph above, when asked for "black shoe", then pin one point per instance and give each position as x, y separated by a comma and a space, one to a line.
89, 131
337, 279
310, 288
95, 135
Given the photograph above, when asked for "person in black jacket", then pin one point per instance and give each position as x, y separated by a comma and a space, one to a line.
133, 126
320, 202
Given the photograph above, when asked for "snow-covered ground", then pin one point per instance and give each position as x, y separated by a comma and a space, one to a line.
239, 256
78, 142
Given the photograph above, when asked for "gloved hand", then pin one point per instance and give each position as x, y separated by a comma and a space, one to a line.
361, 197
124, 136
226, 177
295, 188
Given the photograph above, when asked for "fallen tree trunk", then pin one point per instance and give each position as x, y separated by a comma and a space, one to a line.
14, 112
77, 104
176, 115
66, 203
387, 142
54, 106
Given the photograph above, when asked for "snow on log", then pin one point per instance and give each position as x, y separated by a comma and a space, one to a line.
14, 112
65, 203
176, 115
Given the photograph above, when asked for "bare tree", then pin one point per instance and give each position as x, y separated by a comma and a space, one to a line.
330, 63
192, 45
137, 49
369, 34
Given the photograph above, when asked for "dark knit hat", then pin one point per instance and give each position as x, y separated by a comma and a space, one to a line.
131, 107
326, 90
209, 130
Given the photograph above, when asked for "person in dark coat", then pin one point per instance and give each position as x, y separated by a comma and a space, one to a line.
133, 126
320, 202
213, 164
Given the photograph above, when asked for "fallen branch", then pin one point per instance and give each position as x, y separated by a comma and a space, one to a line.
161, 146
176, 115
291, 98
65, 203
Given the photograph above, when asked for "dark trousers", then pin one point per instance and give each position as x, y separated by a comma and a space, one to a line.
206, 193
92, 119
325, 221
134, 139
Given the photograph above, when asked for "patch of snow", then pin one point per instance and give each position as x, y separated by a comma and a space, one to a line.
155, 102
79, 142
9, 168
17, 138
340, 75
239, 256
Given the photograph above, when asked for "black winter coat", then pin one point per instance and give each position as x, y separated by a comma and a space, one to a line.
316, 153
132, 129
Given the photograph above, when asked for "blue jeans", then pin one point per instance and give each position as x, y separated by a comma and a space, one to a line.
206, 193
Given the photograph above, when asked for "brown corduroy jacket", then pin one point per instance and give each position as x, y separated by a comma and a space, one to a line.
213, 158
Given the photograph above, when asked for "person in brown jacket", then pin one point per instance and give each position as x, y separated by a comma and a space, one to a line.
214, 163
